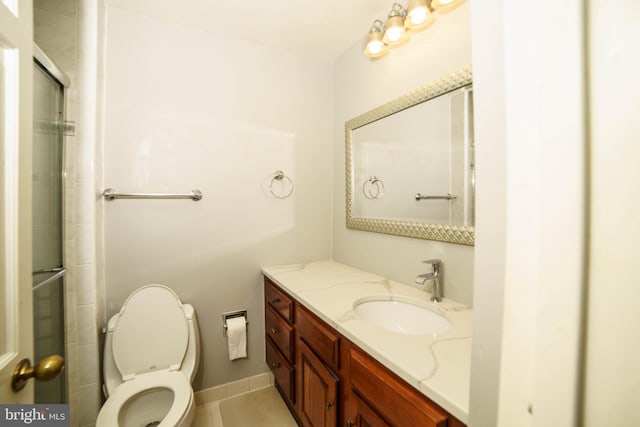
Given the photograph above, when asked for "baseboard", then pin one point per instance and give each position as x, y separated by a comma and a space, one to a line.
234, 388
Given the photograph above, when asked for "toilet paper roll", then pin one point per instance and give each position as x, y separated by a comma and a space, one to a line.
237, 337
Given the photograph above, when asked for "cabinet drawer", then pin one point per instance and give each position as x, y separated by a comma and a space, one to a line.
280, 332
323, 339
366, 416
397, 402
277, 299
282, 371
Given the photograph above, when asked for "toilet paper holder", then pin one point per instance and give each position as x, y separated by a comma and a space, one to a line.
231, 315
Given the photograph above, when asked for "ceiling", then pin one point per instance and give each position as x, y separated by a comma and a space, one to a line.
320, 28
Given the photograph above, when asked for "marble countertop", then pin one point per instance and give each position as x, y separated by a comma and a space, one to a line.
437, 365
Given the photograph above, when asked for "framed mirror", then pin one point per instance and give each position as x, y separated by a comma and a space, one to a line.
410, 164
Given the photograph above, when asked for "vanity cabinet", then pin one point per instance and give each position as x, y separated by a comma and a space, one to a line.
279, 340
328, 381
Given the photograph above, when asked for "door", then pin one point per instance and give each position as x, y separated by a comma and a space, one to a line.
16, 104
318, 391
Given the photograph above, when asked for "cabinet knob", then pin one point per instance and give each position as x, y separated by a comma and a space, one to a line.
274, 330
275, 365
275, 300
349, 423
329, 404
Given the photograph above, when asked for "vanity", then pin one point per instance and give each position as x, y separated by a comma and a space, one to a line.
337, 365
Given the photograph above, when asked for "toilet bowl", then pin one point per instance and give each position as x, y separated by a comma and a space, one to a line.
151, 354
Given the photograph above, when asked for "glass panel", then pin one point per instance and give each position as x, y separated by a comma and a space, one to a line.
47, 171
48, 326
48, 298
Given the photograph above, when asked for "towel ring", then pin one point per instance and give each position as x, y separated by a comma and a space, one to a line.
279, 176
367, 188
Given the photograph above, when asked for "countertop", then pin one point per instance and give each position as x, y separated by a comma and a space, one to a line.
436, 365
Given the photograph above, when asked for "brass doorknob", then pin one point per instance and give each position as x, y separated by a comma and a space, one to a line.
45, 370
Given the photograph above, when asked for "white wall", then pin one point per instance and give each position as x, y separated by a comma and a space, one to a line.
612, 383
529, 259
489, 267
187, 109
361, 85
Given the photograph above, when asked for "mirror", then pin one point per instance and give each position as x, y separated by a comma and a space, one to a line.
410, 164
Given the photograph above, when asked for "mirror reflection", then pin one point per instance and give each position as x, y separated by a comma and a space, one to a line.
417, 164
411, 164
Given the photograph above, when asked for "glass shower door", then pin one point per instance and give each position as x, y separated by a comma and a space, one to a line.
48, 268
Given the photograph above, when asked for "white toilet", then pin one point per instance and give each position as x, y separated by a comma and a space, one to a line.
151, 355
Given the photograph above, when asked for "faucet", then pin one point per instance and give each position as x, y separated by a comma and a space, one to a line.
436, 288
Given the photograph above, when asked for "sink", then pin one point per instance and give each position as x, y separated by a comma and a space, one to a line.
405, 316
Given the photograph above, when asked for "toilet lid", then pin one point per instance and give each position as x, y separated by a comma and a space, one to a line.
176, 382
151, 332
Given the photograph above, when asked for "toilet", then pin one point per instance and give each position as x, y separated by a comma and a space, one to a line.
151, 354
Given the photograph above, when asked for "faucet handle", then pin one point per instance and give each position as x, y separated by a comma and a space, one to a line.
433, 261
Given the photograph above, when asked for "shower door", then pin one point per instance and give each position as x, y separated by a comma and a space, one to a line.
48, 268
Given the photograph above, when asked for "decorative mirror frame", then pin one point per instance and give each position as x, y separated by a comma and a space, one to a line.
464, 235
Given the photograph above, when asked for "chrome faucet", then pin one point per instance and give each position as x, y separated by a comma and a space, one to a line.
436, 287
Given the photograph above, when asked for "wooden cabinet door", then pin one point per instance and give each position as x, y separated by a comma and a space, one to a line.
317, 390
365, 416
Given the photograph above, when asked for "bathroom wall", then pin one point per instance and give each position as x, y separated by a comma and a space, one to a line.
186, 109
612, 373
360, 85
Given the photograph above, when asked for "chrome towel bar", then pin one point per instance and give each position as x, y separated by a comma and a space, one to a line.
111, 194
449, 196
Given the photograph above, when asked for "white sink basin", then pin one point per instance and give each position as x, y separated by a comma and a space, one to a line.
404, 316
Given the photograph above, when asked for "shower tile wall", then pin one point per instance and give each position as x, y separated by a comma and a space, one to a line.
56, 26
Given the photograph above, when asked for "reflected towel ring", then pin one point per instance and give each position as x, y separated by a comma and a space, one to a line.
279, 176
367, 188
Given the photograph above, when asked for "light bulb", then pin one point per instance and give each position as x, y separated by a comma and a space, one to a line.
418, 15
395, 33
375, 46
445, 5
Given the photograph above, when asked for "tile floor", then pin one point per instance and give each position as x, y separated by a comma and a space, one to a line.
266, 410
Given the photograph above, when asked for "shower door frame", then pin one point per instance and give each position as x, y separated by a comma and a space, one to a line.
41, 60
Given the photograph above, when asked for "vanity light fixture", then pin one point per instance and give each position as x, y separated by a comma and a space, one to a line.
445, 5
415, 17
395, 33
375, 46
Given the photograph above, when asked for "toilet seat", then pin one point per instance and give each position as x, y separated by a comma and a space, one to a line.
172, 380
151, 333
